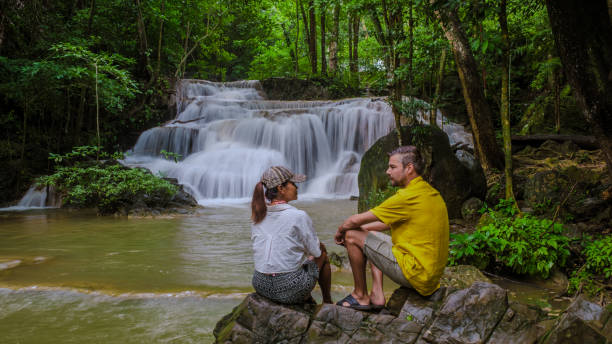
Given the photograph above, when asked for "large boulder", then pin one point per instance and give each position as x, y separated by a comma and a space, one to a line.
463, 310
457, 180
583, 322
280, 88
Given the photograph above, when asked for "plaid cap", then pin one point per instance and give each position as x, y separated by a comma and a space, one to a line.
277, 175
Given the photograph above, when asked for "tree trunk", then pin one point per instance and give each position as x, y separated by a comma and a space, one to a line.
583, 37
159, 41
322, 9
312, 44
306, 32
80, 114
355, 55
557, 96
433, 120
478, 109
411, 47
505, 102
333, 45
297, 36
142, 39
289, 43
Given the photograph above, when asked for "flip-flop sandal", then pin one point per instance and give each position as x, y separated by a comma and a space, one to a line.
374, 307
354, 304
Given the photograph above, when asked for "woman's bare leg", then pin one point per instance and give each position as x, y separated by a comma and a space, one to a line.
324, 275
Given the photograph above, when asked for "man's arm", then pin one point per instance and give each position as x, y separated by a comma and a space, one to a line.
366, 220
376, 226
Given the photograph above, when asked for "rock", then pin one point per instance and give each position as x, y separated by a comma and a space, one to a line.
311, 89
257, 319
583, 322
468, 315
443, 170
470, 208
6, 265
462, 276
557, 282
519, 325
464, 310
579, 189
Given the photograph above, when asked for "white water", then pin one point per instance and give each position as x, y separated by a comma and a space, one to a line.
227, 134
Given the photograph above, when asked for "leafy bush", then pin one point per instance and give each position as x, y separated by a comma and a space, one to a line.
107, 186
522, 243
597, 265
378, 196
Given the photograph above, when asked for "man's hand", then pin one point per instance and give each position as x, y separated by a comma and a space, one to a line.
339, 237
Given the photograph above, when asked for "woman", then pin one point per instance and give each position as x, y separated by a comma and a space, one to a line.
289, 258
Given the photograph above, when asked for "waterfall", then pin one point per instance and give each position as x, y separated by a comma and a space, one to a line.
228, 134
37, 197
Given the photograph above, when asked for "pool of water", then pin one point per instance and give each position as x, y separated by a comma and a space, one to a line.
72, 276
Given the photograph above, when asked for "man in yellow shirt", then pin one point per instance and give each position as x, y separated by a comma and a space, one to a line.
416, 252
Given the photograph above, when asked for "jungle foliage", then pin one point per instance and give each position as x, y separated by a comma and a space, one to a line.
71, 71
517, 243
106, 185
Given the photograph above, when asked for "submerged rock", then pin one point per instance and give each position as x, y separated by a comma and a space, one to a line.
10, 264
463, 310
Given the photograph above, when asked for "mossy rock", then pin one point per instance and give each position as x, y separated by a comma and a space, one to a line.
443, 170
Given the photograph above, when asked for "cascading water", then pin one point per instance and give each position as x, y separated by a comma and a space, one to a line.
227, 134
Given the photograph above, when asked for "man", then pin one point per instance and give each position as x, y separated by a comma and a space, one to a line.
416, 252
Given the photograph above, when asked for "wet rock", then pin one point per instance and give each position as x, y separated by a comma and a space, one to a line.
583, 322
468, 310
10, 264
443, 170
462, 276
257, 319
557, 282
468, 315
519, 325
470, 208
311, 89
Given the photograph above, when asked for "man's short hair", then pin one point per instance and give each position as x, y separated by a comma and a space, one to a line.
410, 155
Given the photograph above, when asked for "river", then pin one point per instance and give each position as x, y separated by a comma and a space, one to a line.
72, 276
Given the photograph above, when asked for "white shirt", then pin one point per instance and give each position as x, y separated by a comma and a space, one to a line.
284, 239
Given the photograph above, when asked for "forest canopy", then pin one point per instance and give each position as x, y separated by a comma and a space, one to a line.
89, 72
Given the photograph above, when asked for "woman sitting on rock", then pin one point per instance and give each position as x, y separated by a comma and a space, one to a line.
289, 258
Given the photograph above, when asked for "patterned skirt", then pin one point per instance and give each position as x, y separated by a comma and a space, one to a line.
288, 287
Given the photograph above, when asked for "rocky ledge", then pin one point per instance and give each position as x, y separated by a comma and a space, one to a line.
468, 308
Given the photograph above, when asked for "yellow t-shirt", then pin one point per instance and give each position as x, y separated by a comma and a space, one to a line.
418, 220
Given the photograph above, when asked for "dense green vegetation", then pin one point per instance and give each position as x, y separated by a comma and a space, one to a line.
99, 72
596, 268
518, 243
106, 185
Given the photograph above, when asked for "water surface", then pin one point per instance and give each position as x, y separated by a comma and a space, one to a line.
72, 276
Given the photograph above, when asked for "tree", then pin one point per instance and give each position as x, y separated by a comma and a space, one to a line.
583, 37
478, 109
333, 44
505, 105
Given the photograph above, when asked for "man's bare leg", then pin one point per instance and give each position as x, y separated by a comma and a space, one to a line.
354, 241
377, 296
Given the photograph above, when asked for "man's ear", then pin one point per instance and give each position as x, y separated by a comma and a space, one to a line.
409, 169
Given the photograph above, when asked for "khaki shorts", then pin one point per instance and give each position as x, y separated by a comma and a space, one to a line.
377, 248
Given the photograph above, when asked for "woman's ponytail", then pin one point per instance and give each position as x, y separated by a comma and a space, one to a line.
258, 204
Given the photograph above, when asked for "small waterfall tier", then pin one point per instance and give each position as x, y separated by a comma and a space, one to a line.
226, 134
